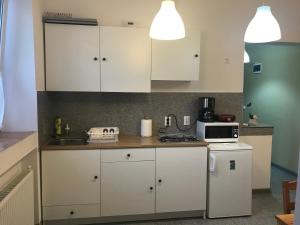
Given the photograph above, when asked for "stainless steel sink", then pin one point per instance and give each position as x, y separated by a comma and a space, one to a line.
68, 141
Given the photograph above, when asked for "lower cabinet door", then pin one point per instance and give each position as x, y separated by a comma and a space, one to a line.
127, 188
181, 179
71, 212
70, 177
261, 162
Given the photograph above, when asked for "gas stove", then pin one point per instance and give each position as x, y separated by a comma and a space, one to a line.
178, 138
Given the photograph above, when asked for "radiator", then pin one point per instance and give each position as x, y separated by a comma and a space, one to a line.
17, 201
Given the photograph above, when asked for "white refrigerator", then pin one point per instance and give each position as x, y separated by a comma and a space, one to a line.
229, 180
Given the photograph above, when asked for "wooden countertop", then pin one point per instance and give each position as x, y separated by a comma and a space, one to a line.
8, 139
126, 141
257, 130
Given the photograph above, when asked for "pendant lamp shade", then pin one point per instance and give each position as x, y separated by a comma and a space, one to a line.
246, 57
263, 27
167, 24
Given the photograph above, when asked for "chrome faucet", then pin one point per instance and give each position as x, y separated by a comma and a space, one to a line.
67, 129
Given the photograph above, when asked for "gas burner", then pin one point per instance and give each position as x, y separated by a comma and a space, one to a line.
178, 138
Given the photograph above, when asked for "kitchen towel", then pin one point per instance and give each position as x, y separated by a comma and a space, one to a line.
146, 127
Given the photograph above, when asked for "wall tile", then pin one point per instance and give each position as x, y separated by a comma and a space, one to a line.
125, 110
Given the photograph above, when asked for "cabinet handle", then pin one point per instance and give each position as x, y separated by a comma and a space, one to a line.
95, 58
160, 181
151, 188
72, 213
128, 155
196, 55
103, 59
95, 177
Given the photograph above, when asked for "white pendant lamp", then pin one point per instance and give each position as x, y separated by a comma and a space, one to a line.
246, 57
263, 27
167, 24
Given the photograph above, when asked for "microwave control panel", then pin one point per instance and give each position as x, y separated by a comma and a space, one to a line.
235, 131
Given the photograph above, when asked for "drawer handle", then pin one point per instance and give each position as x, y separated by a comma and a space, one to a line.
128, 155
96, 177
72, 213
151, 188
160, 181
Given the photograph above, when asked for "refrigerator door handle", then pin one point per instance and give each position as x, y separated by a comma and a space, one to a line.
212, 163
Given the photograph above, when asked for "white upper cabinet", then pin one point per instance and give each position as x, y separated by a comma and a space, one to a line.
177, 60
125, 59
72, 58
115, 59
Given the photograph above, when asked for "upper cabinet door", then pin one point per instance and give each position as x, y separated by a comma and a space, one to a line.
125, 59
72, 58
177, 60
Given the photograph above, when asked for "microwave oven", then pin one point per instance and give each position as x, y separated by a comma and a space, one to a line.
218, 132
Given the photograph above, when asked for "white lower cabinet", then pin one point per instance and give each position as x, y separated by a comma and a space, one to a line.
261, 163
127, 181
71, 177
127, 188
181, 179
71, 212
70, 182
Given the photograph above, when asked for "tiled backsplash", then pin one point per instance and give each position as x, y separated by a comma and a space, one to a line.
125, 110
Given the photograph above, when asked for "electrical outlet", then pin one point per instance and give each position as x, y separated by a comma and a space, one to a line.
167, 121
186, 120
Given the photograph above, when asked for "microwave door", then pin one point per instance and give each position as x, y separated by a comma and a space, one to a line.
220, 134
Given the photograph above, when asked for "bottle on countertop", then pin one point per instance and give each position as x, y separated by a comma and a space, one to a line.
57, 126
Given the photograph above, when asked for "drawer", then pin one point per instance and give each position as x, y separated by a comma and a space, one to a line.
71, 212
127, 155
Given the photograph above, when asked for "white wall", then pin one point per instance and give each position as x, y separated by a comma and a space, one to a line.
19, 69
278, 82
222, 24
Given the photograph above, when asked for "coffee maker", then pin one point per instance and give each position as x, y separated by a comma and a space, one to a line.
207, 109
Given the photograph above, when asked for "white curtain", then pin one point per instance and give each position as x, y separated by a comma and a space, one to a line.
3, 5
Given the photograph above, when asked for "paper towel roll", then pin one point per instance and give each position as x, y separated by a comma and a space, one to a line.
146, 128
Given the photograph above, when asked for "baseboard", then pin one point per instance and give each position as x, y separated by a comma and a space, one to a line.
284, 169
263, 190
135, 218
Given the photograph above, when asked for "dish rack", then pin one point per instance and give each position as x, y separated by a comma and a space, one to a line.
103, 135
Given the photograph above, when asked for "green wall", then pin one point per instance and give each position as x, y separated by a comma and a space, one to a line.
275, 97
